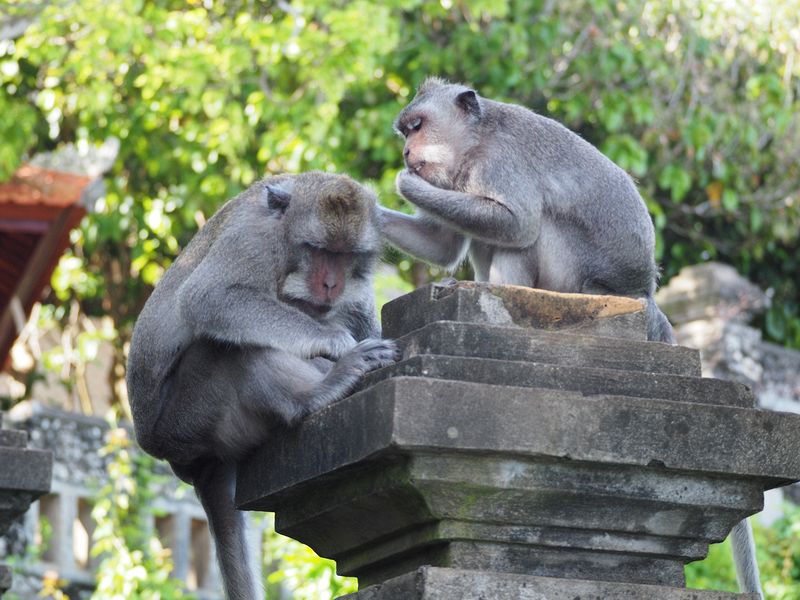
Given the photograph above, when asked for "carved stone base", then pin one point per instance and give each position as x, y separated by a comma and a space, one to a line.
551, 442
5, 580
429, 583
25, 475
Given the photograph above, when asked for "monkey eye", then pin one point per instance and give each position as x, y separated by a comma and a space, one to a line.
414, 125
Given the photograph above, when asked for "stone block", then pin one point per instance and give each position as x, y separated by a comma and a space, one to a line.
25, 475
587, 380
12, 438
417, 471
25, 469
431, 583
524, 436
711, 290
471, 302
451, 338
5, 580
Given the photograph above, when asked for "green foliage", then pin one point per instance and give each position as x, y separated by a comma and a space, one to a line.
134, 565
778, 549
294, 568
206, 97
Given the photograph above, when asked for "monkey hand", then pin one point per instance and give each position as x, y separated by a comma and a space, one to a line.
334, 344
370, 354
411, 186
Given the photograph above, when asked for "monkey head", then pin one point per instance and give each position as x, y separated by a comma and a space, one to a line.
439, 127
331, 236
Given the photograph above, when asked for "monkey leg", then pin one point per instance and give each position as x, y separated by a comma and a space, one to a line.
221, 402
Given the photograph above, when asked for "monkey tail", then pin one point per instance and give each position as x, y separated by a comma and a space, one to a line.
744, 557
215, 485
658, 327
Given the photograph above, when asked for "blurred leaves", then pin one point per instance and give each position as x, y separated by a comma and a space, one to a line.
133, 563
695, 98
778, 554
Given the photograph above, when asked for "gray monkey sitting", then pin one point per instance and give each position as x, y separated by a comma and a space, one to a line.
532, 204
266, 316
529, 201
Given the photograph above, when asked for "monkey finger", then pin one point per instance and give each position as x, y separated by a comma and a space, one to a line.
377, 353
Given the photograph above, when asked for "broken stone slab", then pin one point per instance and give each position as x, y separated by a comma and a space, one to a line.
431, 583
25, 474
510, 305
5, 580
449, 338
417, 471
708, 291
587, 380
25, 470
12, 438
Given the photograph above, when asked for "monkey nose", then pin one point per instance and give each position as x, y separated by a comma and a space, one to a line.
331, 288
406, 152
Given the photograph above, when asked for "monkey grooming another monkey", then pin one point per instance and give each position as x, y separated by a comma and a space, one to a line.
266, 316
529, 201
532, 204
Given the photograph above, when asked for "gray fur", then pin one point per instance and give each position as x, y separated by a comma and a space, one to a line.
233, 342
529, 201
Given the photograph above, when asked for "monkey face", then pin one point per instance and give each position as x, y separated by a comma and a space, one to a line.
439, 128
320, 279
332, 237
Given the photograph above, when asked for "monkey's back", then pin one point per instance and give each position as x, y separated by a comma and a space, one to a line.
159, 337
580, 188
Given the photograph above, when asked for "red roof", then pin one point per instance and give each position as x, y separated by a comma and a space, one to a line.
38, 208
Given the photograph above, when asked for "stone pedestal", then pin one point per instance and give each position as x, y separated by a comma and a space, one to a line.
528, 445
24, 476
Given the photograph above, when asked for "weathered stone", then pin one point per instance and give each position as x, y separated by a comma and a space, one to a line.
470, 302
24, 476
431, 583
399, 475
711, 290
11, 438
5, 579
79, 468
587, 380
710, 305
449, 338
506, 448
25, 469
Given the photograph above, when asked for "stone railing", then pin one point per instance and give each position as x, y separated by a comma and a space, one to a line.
528, 445
24, 476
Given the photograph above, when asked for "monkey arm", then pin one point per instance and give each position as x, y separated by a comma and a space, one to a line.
500, 220
424, 238
361, 320
236, 311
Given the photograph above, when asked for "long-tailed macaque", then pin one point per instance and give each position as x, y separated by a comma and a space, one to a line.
265, 317
530, 202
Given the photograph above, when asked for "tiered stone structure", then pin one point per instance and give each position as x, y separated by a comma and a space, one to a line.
528, 445
79, 469
24, 476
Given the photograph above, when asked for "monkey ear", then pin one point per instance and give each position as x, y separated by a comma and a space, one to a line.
468, 102
277, 199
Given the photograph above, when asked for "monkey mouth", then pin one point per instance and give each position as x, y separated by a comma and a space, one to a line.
311, 308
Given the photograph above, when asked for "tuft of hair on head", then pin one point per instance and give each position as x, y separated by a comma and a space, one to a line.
345, 213
432, 82
341, 204
345, 199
